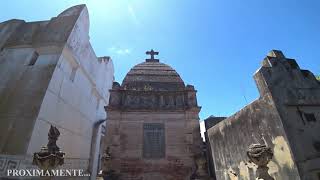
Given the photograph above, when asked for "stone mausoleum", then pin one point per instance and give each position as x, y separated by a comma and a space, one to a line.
50, 75
286, 118
153, 125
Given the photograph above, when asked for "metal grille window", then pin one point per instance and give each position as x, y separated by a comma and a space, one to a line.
153, 141
310, 117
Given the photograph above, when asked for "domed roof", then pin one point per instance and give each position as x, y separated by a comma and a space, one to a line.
153, 75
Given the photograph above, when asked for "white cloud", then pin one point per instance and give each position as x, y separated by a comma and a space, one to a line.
123, 51
133, 15
119, 51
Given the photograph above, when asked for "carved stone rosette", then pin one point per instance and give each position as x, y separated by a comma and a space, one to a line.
260, 155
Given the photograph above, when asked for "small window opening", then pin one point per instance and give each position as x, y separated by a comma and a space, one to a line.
73, 73
33, 59
310, 117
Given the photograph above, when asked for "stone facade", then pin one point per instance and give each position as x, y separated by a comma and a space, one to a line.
50, 75
286, 118
153, 127
209, 123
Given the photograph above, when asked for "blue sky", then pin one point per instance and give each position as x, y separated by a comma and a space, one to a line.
215, 45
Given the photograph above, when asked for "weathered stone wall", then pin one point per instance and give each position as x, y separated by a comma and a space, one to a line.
210, 122
27, 65
22, 88
67, 86
296, 93
125, 138
7, 28
259, 122
278, 119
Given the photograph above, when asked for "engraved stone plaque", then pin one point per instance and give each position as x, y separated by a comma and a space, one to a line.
153, 140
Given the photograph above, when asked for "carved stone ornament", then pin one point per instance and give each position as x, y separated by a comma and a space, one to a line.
50, 156
260, 155
108, 173
106, 157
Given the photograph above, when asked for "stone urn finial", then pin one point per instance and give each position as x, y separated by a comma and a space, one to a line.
108, 173
106, 157
260, 155
50, 156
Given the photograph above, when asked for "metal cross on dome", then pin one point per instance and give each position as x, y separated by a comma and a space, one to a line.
152, 53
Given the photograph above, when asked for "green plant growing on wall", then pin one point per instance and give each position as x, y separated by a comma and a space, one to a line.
318, 77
